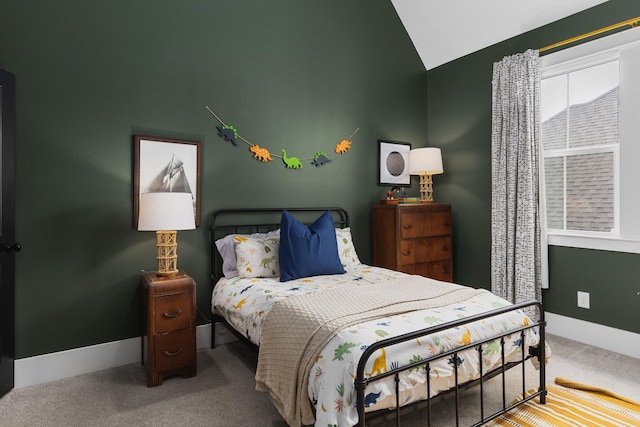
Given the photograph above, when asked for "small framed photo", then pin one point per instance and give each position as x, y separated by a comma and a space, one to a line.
393, 159
166, 165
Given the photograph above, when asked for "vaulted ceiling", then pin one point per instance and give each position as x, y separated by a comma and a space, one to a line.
444, 30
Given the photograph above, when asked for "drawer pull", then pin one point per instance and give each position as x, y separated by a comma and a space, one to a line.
172, 353
407, 253
172, 315
445, 248
407, 227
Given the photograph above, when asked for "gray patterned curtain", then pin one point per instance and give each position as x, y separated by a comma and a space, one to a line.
515, 214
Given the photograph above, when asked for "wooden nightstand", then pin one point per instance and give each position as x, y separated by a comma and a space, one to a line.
169, 311
413, 238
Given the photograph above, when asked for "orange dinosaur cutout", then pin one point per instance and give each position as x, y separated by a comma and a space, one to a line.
343, 146
261, 153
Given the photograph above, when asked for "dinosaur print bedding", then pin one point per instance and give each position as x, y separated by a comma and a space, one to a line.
245, 303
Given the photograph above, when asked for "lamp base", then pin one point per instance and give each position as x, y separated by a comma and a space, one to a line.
426, 189
167, 244
167, 274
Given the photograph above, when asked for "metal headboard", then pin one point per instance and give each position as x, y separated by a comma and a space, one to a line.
258, 220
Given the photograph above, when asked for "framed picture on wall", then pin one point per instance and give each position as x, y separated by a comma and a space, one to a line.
166, 165
393, 159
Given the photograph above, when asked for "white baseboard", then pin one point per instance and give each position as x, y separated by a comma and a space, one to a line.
69, 363
617, 340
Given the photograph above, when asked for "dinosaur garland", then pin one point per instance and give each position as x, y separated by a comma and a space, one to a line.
230, 133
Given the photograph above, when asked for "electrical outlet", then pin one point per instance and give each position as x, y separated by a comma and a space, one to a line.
583, 299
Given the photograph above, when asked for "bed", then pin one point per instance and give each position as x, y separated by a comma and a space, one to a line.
344, 343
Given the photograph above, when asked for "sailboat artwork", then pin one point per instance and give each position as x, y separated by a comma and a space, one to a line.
171, 179
166, 166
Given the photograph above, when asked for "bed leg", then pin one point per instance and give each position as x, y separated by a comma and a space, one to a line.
213, 334
542, 358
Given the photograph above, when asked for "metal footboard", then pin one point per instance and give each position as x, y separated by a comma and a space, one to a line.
362, 381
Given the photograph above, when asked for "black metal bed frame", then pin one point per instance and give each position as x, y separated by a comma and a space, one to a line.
242, 221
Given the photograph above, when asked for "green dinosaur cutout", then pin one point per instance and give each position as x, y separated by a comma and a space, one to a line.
266, 262
291, 162
342, 350
492, 347
414, 359
432, 320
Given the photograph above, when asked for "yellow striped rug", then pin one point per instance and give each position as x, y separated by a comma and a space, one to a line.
574, 404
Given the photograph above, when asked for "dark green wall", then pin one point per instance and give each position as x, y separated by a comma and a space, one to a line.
459, 117
300, 75
288, 74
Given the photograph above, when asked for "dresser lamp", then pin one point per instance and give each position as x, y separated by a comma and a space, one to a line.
425, 162
165, 213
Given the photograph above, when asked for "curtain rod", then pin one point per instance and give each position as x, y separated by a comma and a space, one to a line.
631, 22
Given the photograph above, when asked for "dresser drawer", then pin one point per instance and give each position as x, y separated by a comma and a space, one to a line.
439, 270
413, 238
173, 350
419, 250
172, 312
421, 224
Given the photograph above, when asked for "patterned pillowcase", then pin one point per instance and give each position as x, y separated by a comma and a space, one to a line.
346, 250
258, 257
227, 249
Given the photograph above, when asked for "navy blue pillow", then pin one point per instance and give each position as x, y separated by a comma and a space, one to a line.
308, 251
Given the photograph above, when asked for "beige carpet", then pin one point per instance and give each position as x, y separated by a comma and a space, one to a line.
223, 393
574, 404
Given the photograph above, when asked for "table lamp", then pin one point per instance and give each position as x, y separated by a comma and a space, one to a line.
165, 213
425, 162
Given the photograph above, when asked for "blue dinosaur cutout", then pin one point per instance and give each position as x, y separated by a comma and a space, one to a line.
229, 133
371, 399
320, 159
455, 360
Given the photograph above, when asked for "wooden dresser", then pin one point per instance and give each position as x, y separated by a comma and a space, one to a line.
413, 238
169, 311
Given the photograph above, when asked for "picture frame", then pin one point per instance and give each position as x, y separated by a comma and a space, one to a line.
165, 165
393, 163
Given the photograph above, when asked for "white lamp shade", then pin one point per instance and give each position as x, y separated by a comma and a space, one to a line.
166, 211
425, 161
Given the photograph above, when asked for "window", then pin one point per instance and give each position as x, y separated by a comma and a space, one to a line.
580, 142
590, 144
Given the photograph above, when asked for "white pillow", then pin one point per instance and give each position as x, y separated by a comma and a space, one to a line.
227, 249
346, 250
258, 257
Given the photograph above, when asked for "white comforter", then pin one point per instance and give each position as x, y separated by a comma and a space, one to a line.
246, 302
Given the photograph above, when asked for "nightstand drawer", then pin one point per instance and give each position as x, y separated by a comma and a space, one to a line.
172, 312
173, 350
419, 224
169, 316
